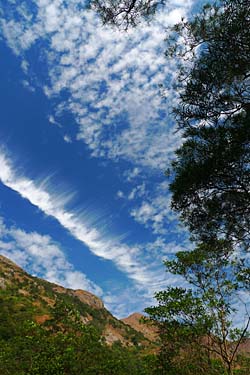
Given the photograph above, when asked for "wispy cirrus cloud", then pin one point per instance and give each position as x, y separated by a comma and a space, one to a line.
132, 260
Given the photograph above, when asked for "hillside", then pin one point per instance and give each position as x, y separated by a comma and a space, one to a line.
135, 321
36, 299
48, 329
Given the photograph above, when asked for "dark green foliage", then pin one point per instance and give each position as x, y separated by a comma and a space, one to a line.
35, 351
216, 42
127, 13
211, 173
212, 179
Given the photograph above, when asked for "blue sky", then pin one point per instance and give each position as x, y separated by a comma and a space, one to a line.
85, 138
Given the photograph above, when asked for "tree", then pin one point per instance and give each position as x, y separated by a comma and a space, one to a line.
199, 318
126, 13
212, 178
211, 172
214, 52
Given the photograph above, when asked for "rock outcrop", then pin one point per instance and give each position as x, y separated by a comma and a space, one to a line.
135, 321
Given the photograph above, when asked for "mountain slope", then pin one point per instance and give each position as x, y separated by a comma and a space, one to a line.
135, 321
27, 297
46, 329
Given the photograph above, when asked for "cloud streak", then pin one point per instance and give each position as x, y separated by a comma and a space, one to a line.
129, 259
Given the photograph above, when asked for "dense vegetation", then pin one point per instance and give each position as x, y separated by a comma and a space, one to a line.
31, 349
44, 332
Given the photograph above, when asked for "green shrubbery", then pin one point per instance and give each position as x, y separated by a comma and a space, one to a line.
62, 346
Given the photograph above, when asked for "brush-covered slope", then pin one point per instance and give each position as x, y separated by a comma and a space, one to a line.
26, 297
48, 329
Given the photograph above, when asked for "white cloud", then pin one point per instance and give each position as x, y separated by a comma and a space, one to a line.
153, 209
113, 81
120, 194
155, 213
146, 273
138, 191
25, 66
67, 139
41, 256
132, 174
112, 78
53, 121
123, 300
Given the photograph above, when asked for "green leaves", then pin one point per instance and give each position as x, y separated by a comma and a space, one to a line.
212, 177
34, 350
62, 345
203, 313
179, 307
211, 172
127, 13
